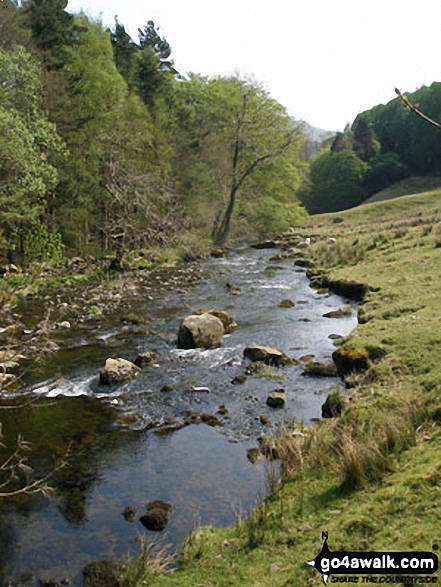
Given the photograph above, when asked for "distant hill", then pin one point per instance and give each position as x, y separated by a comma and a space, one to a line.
315, 136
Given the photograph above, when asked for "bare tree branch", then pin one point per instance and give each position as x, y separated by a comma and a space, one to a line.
415, 109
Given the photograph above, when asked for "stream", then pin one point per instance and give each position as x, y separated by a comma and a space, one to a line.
130, 444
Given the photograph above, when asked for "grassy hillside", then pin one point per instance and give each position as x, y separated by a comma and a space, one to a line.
372, 477
410, 185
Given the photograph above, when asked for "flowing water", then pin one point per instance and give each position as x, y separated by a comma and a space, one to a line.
131, 444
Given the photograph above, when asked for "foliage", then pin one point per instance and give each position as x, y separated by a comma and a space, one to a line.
27, 141
150, 156
336, 182
417, 143
240, 132
42, 245
384, 170
53, 29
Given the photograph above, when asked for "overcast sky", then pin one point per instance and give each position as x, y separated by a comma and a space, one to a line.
325, 60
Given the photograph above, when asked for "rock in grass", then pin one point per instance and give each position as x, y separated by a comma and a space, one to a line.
348, 360
266, 354
334, 404
156, 516
118, 371
204, 331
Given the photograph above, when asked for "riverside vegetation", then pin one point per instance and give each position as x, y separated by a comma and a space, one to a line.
371, 477
108, 154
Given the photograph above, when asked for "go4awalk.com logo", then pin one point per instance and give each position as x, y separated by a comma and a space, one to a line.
404, 568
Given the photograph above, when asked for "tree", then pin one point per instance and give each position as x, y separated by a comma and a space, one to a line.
343, 141
12, 31
124, 50
53, 29
336, 182
27, 143
95, 94
364, 142
384, 170
149, 37
239, 129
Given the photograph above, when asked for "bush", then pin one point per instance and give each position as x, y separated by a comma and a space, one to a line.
41, 245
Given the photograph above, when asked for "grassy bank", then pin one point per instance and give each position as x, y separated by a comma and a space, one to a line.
371, 478
410, 185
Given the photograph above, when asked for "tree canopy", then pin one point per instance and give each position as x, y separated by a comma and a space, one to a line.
104, 143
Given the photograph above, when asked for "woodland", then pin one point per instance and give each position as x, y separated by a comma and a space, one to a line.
105, 147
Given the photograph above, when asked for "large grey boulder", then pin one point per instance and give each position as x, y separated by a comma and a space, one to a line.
205, 331
118, 371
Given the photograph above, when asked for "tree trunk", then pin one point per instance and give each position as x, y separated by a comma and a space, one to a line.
222, 232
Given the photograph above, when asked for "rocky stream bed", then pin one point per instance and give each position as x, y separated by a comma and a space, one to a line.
185, 431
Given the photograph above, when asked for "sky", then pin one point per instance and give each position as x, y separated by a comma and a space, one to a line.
324, 60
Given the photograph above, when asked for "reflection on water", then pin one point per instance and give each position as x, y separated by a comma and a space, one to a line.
202, 471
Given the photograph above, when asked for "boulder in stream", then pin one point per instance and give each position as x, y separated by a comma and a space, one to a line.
205, 331
225, 317
266, 354
118, 371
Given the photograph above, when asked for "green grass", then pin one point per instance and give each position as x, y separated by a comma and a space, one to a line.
410, 185
372, 477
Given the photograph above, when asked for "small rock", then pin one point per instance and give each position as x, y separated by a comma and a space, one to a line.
233, 289
129, 513
146, 359
103, 573
167, 388
341, 313
253, 455
198, 389
219, 252
315, 369
277, 399
335, 336
266, 354
266, 245
118, 371
63, 325
157, 515
222, 410
264, 419
239, 380
286, 304
334, 404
